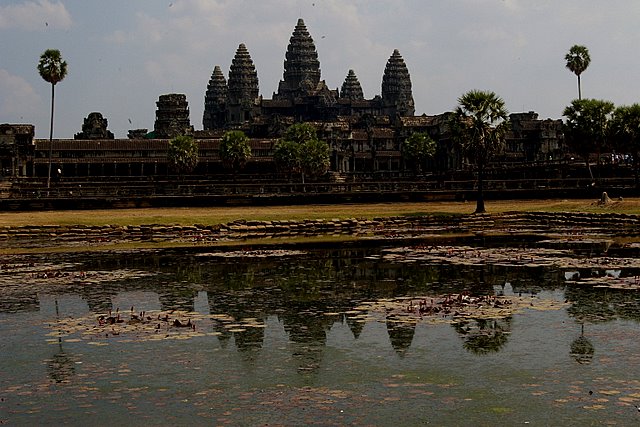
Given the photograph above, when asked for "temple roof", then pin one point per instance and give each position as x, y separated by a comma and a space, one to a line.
351, 88
216, 89
396, 82
243, 78
301, 65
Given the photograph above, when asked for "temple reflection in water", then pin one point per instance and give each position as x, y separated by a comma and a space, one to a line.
301, 298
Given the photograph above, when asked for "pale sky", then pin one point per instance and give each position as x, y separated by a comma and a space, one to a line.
124, 54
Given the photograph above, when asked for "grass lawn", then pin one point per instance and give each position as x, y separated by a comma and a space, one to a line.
219, 215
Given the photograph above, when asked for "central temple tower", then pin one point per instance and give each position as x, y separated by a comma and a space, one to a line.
301, 65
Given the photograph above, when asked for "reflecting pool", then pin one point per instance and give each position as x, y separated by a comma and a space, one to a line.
360, 336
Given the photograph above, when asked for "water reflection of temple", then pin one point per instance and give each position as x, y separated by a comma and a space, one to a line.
310, 294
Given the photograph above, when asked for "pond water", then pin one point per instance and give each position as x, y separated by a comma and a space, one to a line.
327, 337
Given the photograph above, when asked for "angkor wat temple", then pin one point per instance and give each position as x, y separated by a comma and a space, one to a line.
365, 135
302, 96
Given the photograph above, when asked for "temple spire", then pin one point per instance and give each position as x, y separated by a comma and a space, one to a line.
396, 86
301, 65
243, 78
351, 88
214, 100
243, 87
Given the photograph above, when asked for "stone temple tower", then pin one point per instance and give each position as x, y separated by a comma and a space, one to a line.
397, 97
172, 116
243, 91
301, 65
215, 100
351, 88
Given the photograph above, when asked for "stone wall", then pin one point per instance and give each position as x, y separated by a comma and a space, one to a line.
568, 224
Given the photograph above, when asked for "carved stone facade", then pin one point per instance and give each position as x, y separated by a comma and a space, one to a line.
302, 95
301, 75
94, 127
16, 149
137, 133
172, 116
242, 88
351, 88
362, 148
397, 97
365, 135
215, 115
533, 140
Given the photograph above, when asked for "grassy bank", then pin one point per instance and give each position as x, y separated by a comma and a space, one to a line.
220, 215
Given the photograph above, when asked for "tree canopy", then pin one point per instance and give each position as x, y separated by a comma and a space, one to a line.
587, 126
578, 61
418, 147
234, 150
300, 150
51, 66
315, 157
300, 133
286, 155
183, 154
624, 129
479, 125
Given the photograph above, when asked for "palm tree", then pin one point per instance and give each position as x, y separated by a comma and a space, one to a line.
234, 150
578, 60
53, 70
183, 154
479, 125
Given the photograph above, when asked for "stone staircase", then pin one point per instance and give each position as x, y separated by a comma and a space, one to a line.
337, 177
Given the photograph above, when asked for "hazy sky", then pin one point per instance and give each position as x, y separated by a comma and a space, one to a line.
123, 54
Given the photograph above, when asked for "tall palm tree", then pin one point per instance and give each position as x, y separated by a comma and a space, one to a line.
578, 60
479, 125
53, 70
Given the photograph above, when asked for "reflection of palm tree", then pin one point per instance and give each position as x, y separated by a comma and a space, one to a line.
581, 349
484, 336
62, 366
